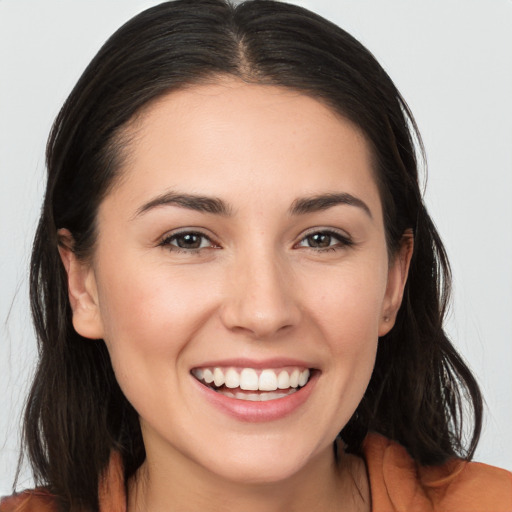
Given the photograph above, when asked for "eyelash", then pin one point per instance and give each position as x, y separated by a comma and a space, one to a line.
167, 242
342, 241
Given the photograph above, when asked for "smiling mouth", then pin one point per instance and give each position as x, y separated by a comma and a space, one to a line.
256, 385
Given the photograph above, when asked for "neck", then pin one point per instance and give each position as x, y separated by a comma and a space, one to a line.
325, 484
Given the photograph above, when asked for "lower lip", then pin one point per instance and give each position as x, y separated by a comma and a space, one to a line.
255, 412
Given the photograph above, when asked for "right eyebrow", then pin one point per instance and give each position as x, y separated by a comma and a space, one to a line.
198, 203
321, 202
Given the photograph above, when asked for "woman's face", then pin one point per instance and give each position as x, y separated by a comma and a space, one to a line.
244, 242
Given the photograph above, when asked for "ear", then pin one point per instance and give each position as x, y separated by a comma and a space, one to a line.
82, 290
397, 277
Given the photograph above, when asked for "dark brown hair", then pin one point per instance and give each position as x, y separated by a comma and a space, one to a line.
76, 413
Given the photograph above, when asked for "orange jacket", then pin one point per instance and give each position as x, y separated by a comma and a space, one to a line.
397, 484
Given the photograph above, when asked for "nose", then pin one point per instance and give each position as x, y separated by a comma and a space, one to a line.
261, 296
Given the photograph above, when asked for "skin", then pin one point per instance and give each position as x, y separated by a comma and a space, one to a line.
258, 289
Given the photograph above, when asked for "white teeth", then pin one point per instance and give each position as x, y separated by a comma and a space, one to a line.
294, 378
232, 379
303, 377
249, 379
268, 380
207, 376
283, 380
218, 377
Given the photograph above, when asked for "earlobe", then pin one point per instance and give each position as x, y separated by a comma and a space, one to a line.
82, 290
397, 278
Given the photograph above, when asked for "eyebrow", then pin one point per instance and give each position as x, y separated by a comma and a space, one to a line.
216, 206
321, 202
204, 204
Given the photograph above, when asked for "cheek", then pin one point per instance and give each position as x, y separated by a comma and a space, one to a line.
152, 304
347, 302
348, 312
351, 330
148, 320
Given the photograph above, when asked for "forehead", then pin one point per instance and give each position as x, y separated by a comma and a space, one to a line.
232, 139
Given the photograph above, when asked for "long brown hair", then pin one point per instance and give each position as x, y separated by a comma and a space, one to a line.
76, 413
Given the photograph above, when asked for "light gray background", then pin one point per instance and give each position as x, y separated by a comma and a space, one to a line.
451, 59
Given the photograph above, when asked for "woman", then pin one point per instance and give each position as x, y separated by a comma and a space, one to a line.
233, 266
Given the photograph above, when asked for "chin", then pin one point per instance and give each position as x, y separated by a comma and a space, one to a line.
269, 471
262, 463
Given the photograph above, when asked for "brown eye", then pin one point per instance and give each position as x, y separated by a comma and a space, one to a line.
323, 240
319, 240
187, 241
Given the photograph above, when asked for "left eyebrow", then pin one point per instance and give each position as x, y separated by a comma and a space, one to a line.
194, 202
321, 202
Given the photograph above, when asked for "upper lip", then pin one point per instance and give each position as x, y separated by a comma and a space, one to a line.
278, 362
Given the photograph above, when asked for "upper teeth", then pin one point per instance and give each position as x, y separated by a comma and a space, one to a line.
248, 378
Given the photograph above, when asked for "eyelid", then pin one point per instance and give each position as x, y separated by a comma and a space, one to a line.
324, 229
344, 239
165, 240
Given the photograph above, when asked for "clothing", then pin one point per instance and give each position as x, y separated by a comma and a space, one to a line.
397, 484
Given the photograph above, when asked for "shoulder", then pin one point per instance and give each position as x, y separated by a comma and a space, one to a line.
38, 500
397, 483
